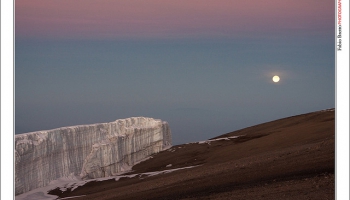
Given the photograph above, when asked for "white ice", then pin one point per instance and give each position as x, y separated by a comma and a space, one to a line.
86, 151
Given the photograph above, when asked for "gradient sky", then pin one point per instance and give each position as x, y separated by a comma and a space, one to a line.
205, 66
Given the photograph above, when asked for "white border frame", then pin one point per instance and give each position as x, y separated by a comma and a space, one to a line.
342, 104
7, 102
7, 99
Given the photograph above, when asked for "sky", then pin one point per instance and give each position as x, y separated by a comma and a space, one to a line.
204, 66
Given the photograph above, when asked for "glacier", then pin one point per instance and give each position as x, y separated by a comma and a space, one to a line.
86, 151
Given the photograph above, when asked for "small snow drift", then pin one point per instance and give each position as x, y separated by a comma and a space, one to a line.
86, 151
218, 139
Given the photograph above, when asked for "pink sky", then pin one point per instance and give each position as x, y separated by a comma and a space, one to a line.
169, 18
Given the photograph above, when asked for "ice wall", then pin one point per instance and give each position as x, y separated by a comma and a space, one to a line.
87, 151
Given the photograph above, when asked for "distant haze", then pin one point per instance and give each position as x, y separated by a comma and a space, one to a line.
205, 67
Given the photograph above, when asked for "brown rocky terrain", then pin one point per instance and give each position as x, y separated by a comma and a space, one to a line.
290, 158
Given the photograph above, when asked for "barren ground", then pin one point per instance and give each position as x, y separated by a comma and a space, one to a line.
290, 158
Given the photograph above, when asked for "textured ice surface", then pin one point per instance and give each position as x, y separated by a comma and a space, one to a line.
86, 151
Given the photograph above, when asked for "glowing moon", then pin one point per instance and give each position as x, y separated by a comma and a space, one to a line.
276, 79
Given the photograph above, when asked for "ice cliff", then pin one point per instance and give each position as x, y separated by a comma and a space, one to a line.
86, 151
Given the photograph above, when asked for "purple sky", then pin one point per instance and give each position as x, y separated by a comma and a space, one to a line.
205, 66
172, 19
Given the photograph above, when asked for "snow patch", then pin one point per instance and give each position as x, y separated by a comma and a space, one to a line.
328, 110
171, 150
73, 197
72, 183
218, 139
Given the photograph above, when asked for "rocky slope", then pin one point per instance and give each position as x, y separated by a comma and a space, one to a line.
290, 158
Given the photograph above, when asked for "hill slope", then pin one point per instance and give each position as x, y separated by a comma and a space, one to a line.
290, 158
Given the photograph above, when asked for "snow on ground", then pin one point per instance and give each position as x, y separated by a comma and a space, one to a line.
160, 172
328, 110
72, 197
41, 193
73, 182
171, 150
218, 139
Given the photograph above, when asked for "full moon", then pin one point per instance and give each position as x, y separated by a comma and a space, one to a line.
276, 79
